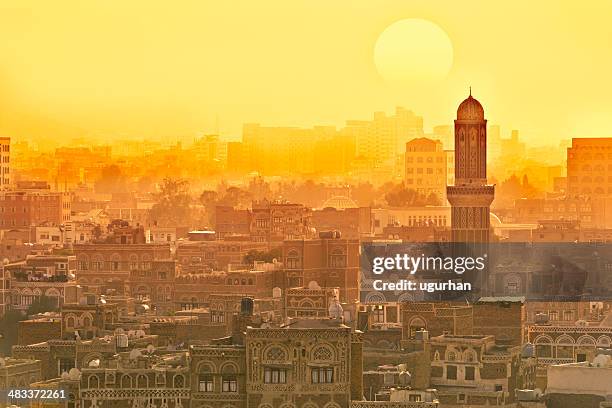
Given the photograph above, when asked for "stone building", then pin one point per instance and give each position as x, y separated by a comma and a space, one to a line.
437, 318
38, 276
329, 260
475, 370
138, 379
99, 265
155, 285
88, 318
312, 301
17, 373
60, 356
216, 255
565, 344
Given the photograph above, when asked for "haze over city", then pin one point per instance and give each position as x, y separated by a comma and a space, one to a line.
291, 204
145, 70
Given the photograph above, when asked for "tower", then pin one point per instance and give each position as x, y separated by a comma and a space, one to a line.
471, 197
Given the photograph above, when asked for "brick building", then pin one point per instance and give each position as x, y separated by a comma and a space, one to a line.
437, 318
32, 208
99, 265
329, 261
475, 370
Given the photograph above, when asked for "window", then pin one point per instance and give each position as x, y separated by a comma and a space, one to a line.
229, 384
378, 314
293, 260
275, 375
470, 373
322, 375
205, 383
65, 365
451, 372
499, 387
337, 259
414, 397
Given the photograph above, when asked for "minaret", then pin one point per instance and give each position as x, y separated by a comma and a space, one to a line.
471, 197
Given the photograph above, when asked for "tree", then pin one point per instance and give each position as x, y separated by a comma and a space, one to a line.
398, 195
111, 180
172, 203
209, 199
235, 196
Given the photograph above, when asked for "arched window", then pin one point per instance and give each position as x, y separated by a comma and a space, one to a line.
70, 322
133, 261
293, 261
543, 346
126, 381
229, 380
115, 262
142, 381
93, 381
179, 381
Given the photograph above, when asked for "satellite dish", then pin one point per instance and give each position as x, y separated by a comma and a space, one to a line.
150, 349
313, 285
74, 374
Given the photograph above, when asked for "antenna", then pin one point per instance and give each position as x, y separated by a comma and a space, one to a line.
470, 90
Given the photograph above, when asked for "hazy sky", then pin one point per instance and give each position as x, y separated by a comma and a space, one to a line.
167, 68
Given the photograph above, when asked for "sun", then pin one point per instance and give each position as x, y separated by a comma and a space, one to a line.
413, 51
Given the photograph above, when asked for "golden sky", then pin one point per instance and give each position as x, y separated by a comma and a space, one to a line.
170, 68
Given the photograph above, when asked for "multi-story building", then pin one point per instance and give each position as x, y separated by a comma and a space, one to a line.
50, 276
57, 357
155, 285
88, 318
589, 161
17, 373
312, 301
426, 168
139, 378
32, 208
562, 344
209, 255
475, 370
108, 265
437, 318
278, 221
329, 261
287, 368
384, 137
193, 290
5, 163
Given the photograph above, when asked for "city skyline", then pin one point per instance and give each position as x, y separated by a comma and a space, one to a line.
67, 74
